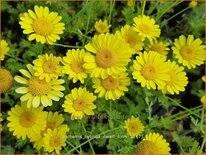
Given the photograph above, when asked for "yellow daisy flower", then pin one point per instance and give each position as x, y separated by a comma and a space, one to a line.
42, 25
134, 126
111, 55
178, 79
26, 122
131, 38
102, 26
6, 80
55, 139
203, 98
73, 65
47, 67
112, 87
4, 49
53, 121
1, 119
150, 69
188, 51
159, 47
153, 143
79, 102
146, 27
38, 91
193, 4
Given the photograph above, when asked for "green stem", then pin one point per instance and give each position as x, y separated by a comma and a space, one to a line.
67, 84
111, 7
143, 6
188, 110
92, 139
72, 146
16, 58
68, 46
90, 144
177, 14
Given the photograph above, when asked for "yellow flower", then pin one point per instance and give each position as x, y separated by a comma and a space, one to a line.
146, 27
1, 119
79, 102
130, 2
42, 25
55, 139
188, 51
178, 79
38, 91
153, 143
131, 38
193, 4
6, 80
112, 87
203, 98
73, 65
102, 26
4, 49
150, 69
53, 121
159, 47
47, 67
25, 122
134, 126
111, 55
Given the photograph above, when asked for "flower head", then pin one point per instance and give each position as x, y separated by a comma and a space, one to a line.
159, 47
131, 38
193, 4
150, 69
102, 26
26, 122
178, 79
47, 67
79, 102
189, 51
203, 98
153, 143
134, 126
73, 65
110, 55
4, 49
112, 87
53, 121
38, 91
146, 27
42, 25
6, 80
55, 139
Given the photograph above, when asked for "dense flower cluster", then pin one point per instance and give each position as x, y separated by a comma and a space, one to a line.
111, 60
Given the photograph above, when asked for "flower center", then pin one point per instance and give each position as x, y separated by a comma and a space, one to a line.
79, 104
102, 27
38, 87
110, 83
50, 125
77, 66
187, 53
43, 27
27, 119
55, 141
173, 78
132, 127
130, 40
147, 147
148, 71
105, 58
49, 67
145, 28
6, 80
